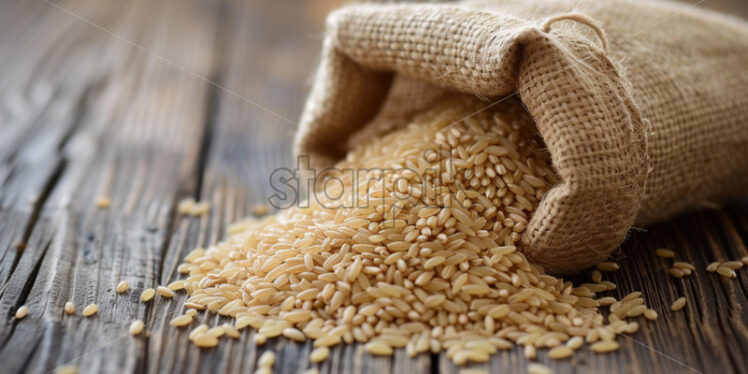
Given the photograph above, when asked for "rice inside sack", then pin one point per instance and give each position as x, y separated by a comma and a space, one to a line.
425, 259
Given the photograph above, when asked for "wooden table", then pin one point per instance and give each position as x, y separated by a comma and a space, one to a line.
150, 102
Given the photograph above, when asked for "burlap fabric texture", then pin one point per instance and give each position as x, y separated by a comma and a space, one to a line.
643, 104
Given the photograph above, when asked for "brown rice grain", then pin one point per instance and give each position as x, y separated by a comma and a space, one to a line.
726, 272
200, 208
560, 352
22, 312
259, 209
319, 354
575, 342
530, 352
683, 265
176, 285
377, 347
165, 292
122, 287
535, 368
147, 295
103, 202
90, 310
267, 359
678, 304
136, 327
67, 369
650, 314
607, 266
294, 334
260, 339
605, 346
712, 267
664, 253
734, 265
675, 272
69, 307
205, 341
182, 320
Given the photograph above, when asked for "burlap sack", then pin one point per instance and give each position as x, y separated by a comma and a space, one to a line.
642, 104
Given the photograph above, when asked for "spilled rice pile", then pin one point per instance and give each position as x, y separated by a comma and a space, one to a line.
418, 250
426, 258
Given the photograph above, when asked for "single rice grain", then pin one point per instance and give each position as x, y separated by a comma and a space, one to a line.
69, 307
122, 287
535, 368
319, 354
678, 304
605, 346
664, 253
136, 327
90, 310
147, 295
22, 312
165, 292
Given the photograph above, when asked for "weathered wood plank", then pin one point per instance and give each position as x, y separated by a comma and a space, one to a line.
36, 122
247, 142
137, 144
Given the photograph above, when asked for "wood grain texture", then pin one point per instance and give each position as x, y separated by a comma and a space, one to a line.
151, 102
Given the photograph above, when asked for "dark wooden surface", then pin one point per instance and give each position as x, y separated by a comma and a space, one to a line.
149, 102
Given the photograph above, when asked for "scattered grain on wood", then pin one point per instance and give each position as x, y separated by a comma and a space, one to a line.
205, 341
136, 327
103, 202
734, 265
664, 253
185, 205
535, 368
69, 307
260, 209
319, 354
176, 285
675, 272
560, 352
377, 347
684, 265
605, 346
90, 310
200, 208
530, 352
22, 312
650, 314
678, 304
607, 266
726, 272
712, 267
596, 276
165, 292
182, 320
122, 287
267, 359
473, 371
147, 295
67, 369
260, 339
